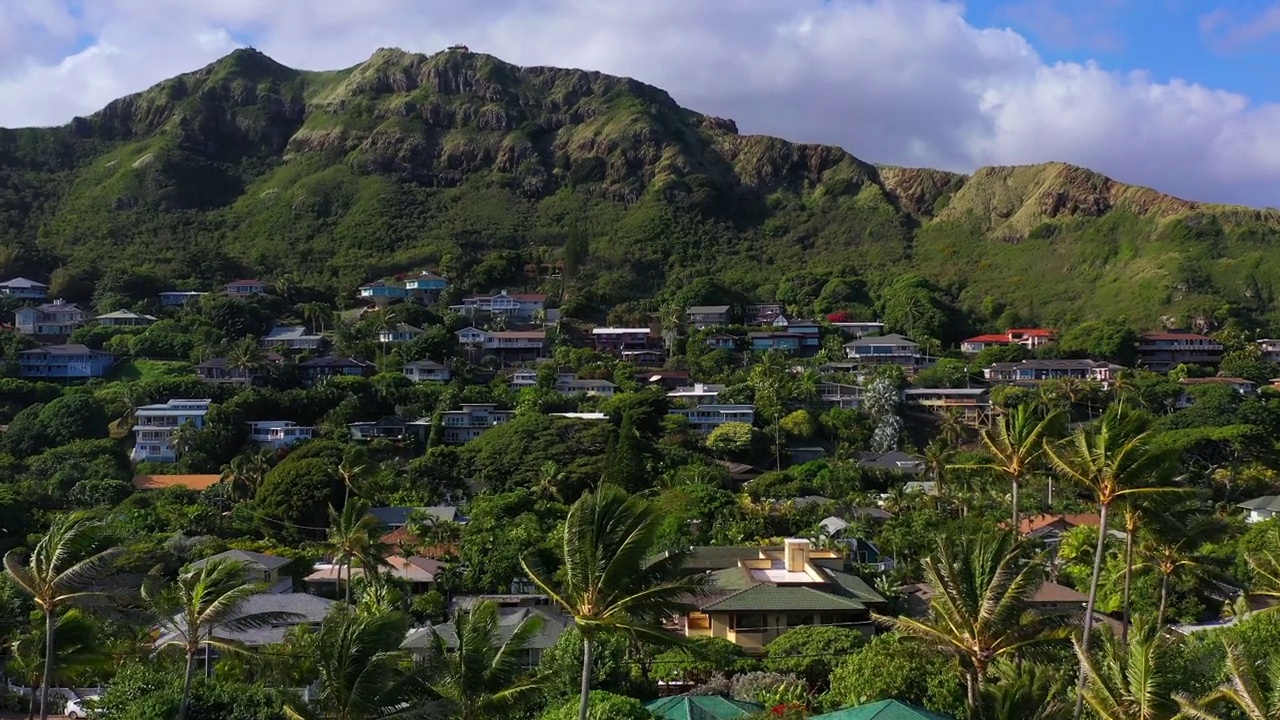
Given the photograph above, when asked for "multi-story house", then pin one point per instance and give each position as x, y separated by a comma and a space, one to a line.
382, 292
1029, 338
125, 318
427, 286
390, 427
471, 421
644, 358
56, 319
702, 317
1034, 372
508, 345
566, 383
178, 298
245, 288
292, 337
855, 329
319, 369
757, 314
24, 289
972, 404
615, 340
889, 349
705, 418
778, 341
219, 370
276, 434
64, 362
156, 424
426, 371
1270, 349
722, 341
399, 333
697, 392
840, 395
517, 306
1240, 385
1164, 351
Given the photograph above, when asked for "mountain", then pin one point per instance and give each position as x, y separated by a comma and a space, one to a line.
504, 176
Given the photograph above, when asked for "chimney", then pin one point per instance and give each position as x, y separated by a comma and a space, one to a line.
796, 555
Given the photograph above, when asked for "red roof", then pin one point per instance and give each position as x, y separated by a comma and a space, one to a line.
1035, 522
530, 297
989, 338
247, 282
1034, 332
520, 334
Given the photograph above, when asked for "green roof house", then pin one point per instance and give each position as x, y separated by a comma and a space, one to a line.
882, 710
701, 707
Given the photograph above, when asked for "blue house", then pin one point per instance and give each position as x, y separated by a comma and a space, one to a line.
428, 283
782, 341
722, 341
380, 291
64, 362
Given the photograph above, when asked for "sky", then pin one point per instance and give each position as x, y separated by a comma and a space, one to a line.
1180, 95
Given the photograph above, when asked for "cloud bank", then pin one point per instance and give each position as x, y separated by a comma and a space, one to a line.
907, 82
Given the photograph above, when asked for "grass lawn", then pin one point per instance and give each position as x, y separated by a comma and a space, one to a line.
136, 369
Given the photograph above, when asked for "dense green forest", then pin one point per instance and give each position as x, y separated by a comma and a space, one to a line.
596, 188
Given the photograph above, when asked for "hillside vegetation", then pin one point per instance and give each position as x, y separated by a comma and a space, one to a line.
598, 187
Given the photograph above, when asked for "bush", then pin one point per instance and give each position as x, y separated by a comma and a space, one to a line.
603, 706
702, 658
889, 667
153, 691
812, 652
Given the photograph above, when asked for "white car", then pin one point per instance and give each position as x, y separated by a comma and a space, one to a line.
74, 709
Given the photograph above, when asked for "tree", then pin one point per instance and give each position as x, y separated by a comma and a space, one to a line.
480, 678
893, 666
295, 495
1016, 441
809, 652
604, 706
1258, 698
354, 535
246, 356
625, 465
610, 585
1024, 691
66, 568
1129, 682
79, 647
242, 476
731, 440
203, 600
981, 610
1171, 558
152, 691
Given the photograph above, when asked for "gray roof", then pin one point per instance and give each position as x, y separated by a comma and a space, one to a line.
23, 283
708, 309
890, 339
424, 365
399, 516
1053, 364
552, 626
73, 349
896, 461
248, 557
1266, 502
811, 500
290, 332
126, 315
309, 609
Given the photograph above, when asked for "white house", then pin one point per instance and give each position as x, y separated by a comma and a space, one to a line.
1263, 508
398, 333
23, 288
426, 371
156, 424
705, 418
55, 319
125, 318
245, 288
698, 392
292, 337
520, 306
275, 434
507, 344
471, 421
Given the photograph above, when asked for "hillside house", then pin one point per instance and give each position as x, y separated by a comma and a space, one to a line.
506, 345
840, 395
64, 362
276, 434
155, 426
889, 349
857, 330
1270, 350
259, 568
417, 572
1262, 508
550, 626
24, 289
860, 551
1240, 385
894, 461
705, 418
722, 341
426, 371
219, 370
292, 337
319, 369
292, 609
784, 342
522, 307
391, 427
400, 333
245, 288
125, 318
1164, 351
178, 298
644, 358
698, 392
702, 317
426, 286
759, 314
1029, 338
56, 319
617, 339
471, 421
972, 404
1034, 372
395, 518
381, 292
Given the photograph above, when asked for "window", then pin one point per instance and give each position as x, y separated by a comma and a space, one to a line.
799, 620
749, 622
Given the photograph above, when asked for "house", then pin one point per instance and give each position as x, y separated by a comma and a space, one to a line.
391, 427
882, 710
722, 341
840, 395
1240, 385
705, 418
54, 319
218, 370
64, 362
757, 314
1050, 597
667, 379
806, 454
698, 392
1270, 350
972, 404
859, 550
507, 345
1034, 372
617, 339
517, 306
382, 292
24, 289
550, 626
1164, 351
889, 349
426, 371
978, 343
644, 358
395, 518
528, 377
319, 369
292, 337
245, 288
857, 330
291, 609
702, 317
194, 483
760, 593
1050, 528
178, 298
702, 707
260, 568
471, 421
125, 318
1029, 338
419, 573
590, 387
156, 424
399, 333
276, 434
426, 286
1262, 508
894, 461
780, 341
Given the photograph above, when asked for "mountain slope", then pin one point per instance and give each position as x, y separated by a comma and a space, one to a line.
487, 171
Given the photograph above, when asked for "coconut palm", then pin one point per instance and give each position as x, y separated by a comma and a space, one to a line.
211, 597
671, 318
980, 610
550, 477
66, 568
247, 357
1024, 691
350, 475
1112, 461
1266, 571
951, 427
610, 585
1173, 558
184, 438
1132, 518
354, 536
1016, 441
481, 677
1129, 682
315, 313
1258, 698
242, 476
78, 649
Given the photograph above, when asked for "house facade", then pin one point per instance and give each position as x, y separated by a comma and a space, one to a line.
219, 370
426, 371
155, 426
972, 404
856, 330
426, 286
1259, 509
55, 319
1164, 351
705, 418
178, 298
758, 314
245, 288
125, 318
786, 342
391, 427
471, 421
1034, 372
702, 317
840, 395
382, 292
1029, 338
259, 568
517, 306
24, 289
889, 349
507, 345
292, 337
400, 333
722, 341
276, 434
320, 369
64, 362
617, 339
1270, 350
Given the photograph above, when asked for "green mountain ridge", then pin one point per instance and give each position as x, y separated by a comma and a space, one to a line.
501, 176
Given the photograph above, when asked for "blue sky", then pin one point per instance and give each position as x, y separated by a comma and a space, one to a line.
1179, 95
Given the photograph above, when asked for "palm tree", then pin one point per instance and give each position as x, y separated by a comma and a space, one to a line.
78, 648
1122, 387
1015, 442
349, 474
184, 437
671, 318
202, 600
610, 586
1129, 682
547, 487
242, 476
1266, 570
364, 675
1258, 698
1172, 558
1112, 461
354, 536
481, 677
315, 313
1024, 691
980, 611
951, 427
247, 357
1132, 519
66, 568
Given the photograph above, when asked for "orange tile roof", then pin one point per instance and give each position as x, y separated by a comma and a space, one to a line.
159, 482
1035, 522
989, 338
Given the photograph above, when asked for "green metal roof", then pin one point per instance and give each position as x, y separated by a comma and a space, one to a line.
782, 598
707, 557
855, 587
883, 710
701, 707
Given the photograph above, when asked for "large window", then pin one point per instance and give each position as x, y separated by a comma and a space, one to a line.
749, 622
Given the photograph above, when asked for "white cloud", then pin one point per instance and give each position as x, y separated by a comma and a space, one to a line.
894, 81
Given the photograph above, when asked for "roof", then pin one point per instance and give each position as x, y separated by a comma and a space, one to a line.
962, 392
1051, 592
882, 710
290, 332
72, 349
413, 569
707, 310
21, 282
160, 482
706, 557
247, 282
619, 331
701, 707
1034, 332
1266, 502
520, 334
1175, 336
1215, 381
424, 365
323, 362
396, 516
248, 557
405, 328
126, 315
54, 307
528, 297
890, 339
1033, 523
310, 609
896, 461
553, 625
988, 338
782, 598
1053, 364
